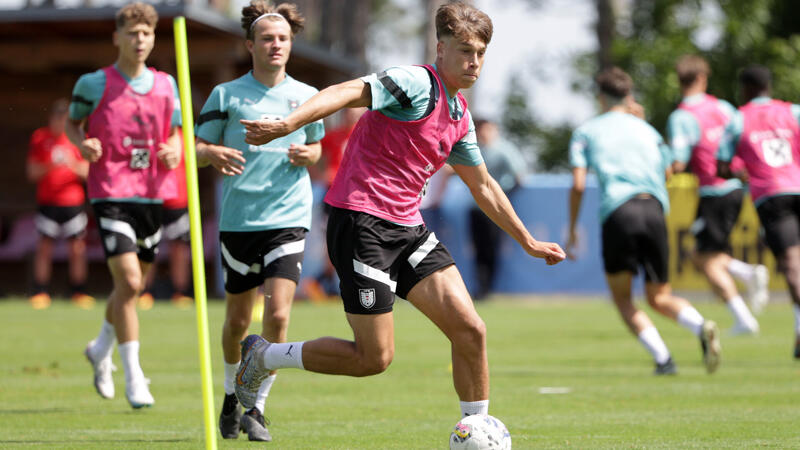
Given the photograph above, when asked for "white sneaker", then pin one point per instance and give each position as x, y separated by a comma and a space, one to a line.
138, 393
103, 382
758, 289
740, 329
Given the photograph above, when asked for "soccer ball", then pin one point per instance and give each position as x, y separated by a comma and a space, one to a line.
479, 432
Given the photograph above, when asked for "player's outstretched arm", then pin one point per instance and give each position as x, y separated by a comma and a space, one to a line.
494, 203
575, 199
350, 94
228, 161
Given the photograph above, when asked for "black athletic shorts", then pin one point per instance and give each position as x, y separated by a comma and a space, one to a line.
716, 216
61, 221
129, 227
377, 259
250, 257
634, 235
176, 224
780, 218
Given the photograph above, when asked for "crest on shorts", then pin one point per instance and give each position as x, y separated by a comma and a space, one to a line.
111, 242
367, 297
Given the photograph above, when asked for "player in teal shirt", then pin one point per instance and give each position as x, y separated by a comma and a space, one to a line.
631, 161
266, 198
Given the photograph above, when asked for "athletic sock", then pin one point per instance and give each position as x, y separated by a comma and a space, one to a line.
652, 341
472, 408
796, 320
129, 353
284, 355
691, 319
104, 343
263, 392
740, 313
230, 377
741, 270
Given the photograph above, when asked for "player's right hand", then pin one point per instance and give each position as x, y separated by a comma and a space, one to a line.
549, 251
572, 243
91, 149
227, 160
259, 132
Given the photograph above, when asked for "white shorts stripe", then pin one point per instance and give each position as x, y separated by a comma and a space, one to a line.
237, 265
75, 225
177, 228
423, 250
118, 226
47, 226
150, 241
288, 248
374, 274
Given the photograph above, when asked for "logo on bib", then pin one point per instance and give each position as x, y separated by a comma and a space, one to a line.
367, 297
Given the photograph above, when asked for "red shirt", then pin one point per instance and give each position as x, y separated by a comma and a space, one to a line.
60, 186
181, 200
333, 145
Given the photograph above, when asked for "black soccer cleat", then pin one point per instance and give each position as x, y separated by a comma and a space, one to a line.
667, 368
254, 425
230, 417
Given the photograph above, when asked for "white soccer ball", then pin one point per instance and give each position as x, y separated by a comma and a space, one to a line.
479, 432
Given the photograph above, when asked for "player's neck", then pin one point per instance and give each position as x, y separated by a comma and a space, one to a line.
268, 76
131, 69
693, 90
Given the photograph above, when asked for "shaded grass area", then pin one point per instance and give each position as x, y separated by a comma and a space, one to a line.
47, 399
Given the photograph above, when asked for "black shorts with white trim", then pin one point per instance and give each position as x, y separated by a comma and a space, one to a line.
250, 257
129, 227
61, 221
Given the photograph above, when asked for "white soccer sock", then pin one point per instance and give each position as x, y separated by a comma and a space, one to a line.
796, 320
740, 312
230, 377
104, 343
472, 408
284, 355
741, 270
652, 341
691, 319
263, 392
129, 353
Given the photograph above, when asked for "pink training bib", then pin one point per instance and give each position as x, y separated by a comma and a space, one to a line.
712, 120
388, 162
130, 127
769, 147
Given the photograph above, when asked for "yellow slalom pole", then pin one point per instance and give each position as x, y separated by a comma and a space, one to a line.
198, 259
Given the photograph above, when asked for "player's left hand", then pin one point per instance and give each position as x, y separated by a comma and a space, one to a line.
170, 156
302, 155
549, 251
259, 132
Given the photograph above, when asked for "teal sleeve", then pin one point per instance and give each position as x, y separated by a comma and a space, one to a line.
515, 160
683, 133
796, 112
577, 149
730, 138
176, 113
315, 131
86, 94
401, 92
466, 151
213, 118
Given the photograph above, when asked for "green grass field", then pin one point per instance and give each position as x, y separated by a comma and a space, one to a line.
47, 398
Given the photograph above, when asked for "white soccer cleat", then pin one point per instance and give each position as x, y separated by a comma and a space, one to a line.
741, 329
758, 289
712, 350
139, 394
103, 382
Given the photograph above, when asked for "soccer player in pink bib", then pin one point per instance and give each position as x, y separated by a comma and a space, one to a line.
765, 134
124, 118
376, 238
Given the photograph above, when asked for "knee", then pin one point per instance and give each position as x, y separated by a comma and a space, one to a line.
130, 283
237, 325
279, 318
375, 363
471, 337
656, 301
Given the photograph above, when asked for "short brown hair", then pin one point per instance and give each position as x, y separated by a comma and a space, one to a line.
614, 82
136, 13
258, 8
463, 22
689, 67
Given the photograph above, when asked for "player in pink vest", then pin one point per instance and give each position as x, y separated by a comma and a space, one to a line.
765, 134
124, 120
376, 238
694, 131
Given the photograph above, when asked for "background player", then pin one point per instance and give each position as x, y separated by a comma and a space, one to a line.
266, 197
376, 239
59, 170
694, 131
765, 134
631, 160
125, 119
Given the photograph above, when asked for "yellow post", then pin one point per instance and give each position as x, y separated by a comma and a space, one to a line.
198, 260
